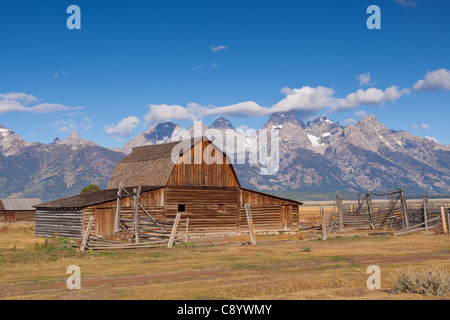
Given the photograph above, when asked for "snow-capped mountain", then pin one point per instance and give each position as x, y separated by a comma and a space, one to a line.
320, 156
158, 133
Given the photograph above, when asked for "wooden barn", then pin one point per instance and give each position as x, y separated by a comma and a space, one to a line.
18, 210
207, 193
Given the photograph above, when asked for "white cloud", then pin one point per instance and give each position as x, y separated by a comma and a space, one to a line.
247, 108
124, 128
371, 96
434, 80
422, 127
86, 123
70, 126
364, 79
305, 99
15, 102
20, 97
407, 3
360, 114
160, 112
286, 91
350, 122
217, 48
58, 74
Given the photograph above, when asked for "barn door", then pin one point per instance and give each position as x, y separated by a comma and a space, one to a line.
286, 217
104, 222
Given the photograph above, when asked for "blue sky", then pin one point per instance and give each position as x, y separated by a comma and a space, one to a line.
145, 61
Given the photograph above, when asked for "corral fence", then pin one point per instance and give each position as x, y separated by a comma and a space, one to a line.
388, 211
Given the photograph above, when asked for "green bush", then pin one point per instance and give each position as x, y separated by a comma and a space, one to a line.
90, 188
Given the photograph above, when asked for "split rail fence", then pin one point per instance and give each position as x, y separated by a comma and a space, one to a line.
388, 211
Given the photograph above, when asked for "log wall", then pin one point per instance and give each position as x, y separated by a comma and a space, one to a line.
63, 223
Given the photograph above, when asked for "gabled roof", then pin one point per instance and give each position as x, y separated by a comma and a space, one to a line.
89, 199
19, 204
151, 165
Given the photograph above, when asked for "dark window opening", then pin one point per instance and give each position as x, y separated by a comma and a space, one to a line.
181, 208
221, 207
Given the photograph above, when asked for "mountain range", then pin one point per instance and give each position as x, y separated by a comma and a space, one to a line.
320, 156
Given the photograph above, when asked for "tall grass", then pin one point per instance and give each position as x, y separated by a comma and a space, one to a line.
430, 281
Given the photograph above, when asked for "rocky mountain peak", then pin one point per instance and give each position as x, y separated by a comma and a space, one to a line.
4, 131
280, 118
323, 127
75, 141
221, 124
56, 141
160, 131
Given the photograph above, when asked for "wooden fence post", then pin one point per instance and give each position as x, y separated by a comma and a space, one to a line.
87, 233
404, 208
118, 207
444, 223
324, 227
341, 215
425, 211
174, 230
187, 228
250, 223
136, 214
370, 211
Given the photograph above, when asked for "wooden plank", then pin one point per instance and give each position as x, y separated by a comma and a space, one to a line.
341, 215
187, 228
86, 234
444, 223
174, 230
250, 223
404, 209
118, 205
324, 227
425, 214
136, 215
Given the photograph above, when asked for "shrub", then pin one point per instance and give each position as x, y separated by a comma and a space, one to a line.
429, 281
90, 188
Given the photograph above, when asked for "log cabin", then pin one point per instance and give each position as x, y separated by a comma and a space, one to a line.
207, 192
18, 210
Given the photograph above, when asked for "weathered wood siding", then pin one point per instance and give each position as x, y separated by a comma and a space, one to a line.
193, 169
17, 216
271, 218
269, 213
152, 201
210, 210
63, 223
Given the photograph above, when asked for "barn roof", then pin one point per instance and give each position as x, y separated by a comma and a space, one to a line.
89, 199
19, 204
150, 165
273, 196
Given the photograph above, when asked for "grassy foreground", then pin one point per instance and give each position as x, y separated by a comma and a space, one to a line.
30, 268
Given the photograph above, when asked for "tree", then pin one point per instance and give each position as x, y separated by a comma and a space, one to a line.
90, 188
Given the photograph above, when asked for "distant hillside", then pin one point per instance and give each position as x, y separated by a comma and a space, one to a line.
55, 170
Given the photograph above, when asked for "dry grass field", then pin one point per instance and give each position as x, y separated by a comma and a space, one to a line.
278, 267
